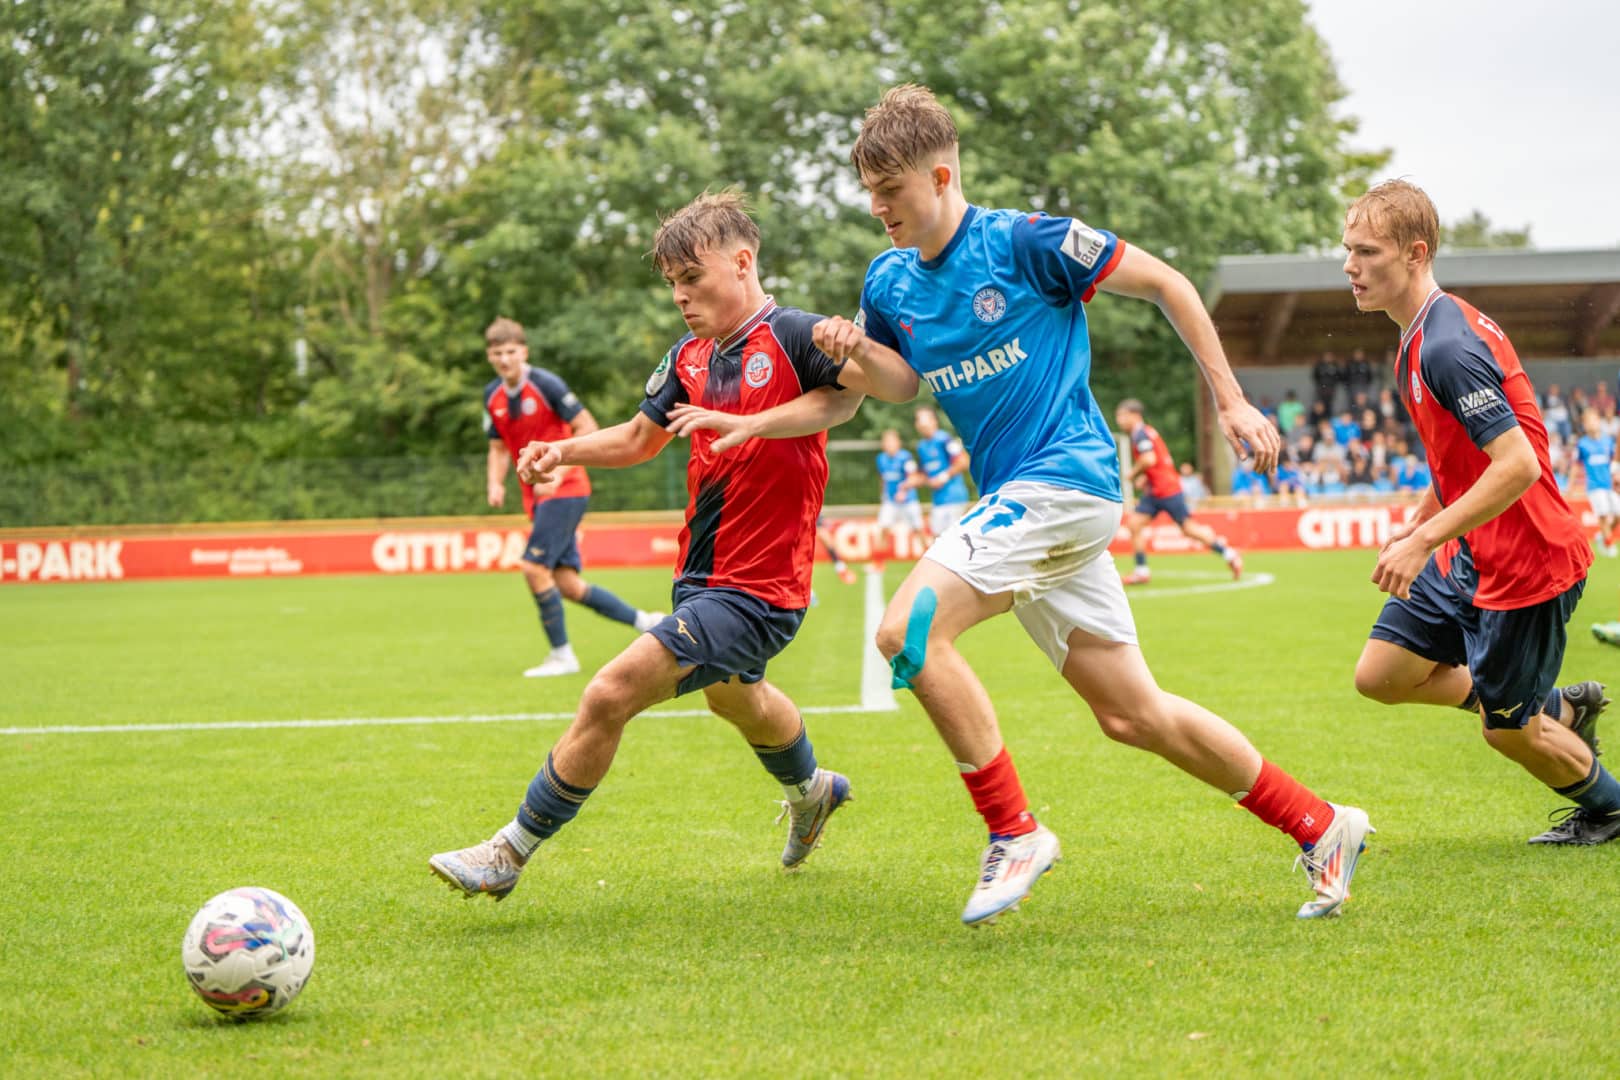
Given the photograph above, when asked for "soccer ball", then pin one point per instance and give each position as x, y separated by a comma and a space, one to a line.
248, 952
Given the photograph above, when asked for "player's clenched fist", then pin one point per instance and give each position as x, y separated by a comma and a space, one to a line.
837, 337
537, 462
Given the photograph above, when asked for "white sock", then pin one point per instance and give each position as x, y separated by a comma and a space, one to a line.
520, 840
799, 793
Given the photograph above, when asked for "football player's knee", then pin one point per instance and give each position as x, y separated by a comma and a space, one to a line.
608, 699
1371, 683
1130, 728
891, 636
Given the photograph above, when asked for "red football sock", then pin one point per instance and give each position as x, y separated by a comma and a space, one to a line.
1280, 800
999, 797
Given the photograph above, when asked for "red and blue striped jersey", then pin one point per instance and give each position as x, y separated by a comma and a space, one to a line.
1162, 478
540, 408
1463, 385
751, 511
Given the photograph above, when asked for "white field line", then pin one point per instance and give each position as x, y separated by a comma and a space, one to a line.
1248, 581
363, 721
1253, 581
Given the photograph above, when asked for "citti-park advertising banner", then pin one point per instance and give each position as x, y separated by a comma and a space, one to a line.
445, 546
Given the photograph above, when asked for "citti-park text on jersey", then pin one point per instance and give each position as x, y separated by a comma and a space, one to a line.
984, 366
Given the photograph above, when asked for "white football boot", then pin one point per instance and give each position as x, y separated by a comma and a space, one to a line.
1008, 871
1331, 861
560, 662
487, 869
646, 620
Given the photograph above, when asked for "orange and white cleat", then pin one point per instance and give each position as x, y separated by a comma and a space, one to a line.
1235, 560
1140, 576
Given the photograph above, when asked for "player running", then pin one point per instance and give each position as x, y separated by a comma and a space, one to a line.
945, 465
989, 307
1485, 575
1151, 463
743, 573
521, 404
1596, 451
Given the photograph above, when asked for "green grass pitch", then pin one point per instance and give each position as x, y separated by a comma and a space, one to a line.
655, 935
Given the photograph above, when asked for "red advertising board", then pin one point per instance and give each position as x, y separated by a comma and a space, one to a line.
268, 551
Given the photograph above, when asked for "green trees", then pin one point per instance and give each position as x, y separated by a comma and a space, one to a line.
274, 229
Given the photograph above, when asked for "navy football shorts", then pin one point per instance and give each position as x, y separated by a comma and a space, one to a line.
1514, 656
1174, 505
551, 541
721, 633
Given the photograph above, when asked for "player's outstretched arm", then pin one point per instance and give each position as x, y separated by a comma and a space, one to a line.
1144, 277
818, 410
870, 368
1513, 469
630, 443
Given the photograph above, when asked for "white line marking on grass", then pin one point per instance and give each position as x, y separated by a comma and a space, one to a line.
361, 721
1248, 581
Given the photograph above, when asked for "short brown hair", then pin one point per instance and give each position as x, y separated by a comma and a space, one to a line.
504, 331
1130, 404
712, 220
904, 130
1400, 211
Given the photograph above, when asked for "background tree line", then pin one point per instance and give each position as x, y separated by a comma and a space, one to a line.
248, 247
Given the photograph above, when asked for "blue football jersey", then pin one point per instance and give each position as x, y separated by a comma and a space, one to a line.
1597, 455
936, 454
894, 468
996, 324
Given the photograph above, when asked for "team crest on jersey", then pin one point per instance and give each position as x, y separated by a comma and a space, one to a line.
1417, 389
655, 381
530, 406
757, 372
989, 304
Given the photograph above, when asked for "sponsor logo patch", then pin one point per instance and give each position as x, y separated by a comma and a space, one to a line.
1083, 244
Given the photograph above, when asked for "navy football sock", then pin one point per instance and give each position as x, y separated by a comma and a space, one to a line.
551, 617
608, 605
551, 803
1554, 705
1141, 558
1471, 702
1218, 548
1598, 793
793, 764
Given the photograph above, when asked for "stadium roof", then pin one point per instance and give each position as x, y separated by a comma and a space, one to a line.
1289, 309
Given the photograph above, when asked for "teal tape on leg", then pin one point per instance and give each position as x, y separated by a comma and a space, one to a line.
908, 662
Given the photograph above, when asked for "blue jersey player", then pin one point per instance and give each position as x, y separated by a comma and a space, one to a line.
896, 469
944, 465
1596, 451
988, 307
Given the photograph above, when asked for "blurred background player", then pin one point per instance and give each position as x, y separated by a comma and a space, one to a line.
899, 510
524, 403
1596, 451
742, 578
944, 467
1484, 576
829, 543
1151, 465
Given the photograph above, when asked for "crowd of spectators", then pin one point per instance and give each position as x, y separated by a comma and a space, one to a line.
1355, 439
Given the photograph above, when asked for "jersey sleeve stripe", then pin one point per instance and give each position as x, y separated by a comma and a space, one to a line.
1108, 268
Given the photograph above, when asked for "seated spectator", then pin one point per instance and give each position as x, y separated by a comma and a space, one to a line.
1345, 428
1268, 409
1290, 412
1248, 483
1390, 407
1328, 450
1358, 374
1290, 479
1384, 480
1411, 474
1193, 488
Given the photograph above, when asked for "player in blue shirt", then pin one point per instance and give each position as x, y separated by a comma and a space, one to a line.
899, 506
988, 306
943, 464
1596, 451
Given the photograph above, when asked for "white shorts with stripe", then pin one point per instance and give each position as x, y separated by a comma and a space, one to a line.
1048, 546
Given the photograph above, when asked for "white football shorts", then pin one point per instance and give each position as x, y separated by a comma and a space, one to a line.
1048, 546
1605, 503
892, 514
